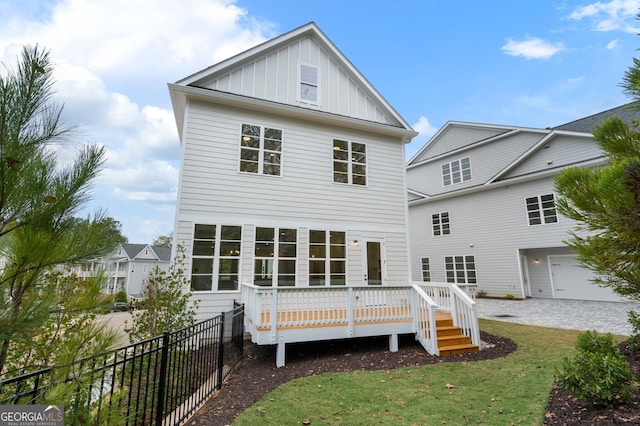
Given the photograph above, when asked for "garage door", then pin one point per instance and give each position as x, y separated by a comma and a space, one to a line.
572, 281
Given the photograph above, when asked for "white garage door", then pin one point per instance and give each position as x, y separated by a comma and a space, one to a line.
572, 281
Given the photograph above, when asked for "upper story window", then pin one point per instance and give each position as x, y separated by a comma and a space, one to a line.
327, 257
349, 162
440, 223
260, 150
309, 83
456, 171
541, 210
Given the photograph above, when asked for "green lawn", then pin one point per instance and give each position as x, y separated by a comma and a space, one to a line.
503, 391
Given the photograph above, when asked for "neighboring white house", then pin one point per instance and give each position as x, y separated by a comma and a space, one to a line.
482, 208
292, 173
127, 267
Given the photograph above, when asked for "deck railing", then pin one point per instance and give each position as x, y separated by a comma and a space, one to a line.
272, 308
450, 297
424, 318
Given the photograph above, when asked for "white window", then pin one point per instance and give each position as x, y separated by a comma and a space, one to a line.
309, 83
349, 162
260, 150
275, 257
216, 258
456, 171
426, 270
460, 269
541, 210
440, 222
327, 258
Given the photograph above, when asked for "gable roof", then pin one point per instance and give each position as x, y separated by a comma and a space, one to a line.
226, 81
626, 113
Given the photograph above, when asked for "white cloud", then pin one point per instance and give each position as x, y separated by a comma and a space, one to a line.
609, 16
532, 48
112, 62
613, 44
424, 127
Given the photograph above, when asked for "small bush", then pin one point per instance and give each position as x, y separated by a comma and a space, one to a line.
509, 296
597, 373
634, 339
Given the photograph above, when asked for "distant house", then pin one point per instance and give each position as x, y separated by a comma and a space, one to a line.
482, 208
291, 196
127, 267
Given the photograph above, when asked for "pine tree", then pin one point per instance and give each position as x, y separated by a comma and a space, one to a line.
38, 199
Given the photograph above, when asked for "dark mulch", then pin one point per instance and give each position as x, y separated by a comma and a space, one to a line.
257, 374
566, 409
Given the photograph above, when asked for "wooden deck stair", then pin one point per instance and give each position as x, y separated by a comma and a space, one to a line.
451, 341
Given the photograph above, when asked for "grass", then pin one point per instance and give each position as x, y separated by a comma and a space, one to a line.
513, 390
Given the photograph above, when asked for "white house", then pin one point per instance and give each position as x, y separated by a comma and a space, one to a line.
482, 208
292, 172
292, 183
127, 267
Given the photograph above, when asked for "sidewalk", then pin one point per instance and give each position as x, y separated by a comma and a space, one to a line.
605, 317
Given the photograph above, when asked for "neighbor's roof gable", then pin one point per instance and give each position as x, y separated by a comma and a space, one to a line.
271, 72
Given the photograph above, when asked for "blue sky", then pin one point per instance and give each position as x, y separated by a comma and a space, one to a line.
531, 63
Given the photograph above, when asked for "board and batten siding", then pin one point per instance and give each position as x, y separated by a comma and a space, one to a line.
491, 225
274, 77
486, 162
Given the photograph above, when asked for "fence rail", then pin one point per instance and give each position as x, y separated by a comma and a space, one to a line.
161, 381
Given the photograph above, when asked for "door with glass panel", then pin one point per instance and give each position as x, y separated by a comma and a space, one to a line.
374, 261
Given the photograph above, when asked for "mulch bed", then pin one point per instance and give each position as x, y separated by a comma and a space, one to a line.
257, 375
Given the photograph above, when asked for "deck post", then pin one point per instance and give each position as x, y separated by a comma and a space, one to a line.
393, 342
280, 354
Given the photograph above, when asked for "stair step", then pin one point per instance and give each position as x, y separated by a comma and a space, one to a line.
444, 322
449, 330
459, 349
448, 341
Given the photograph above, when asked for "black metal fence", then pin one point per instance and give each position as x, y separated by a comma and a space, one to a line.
159, 381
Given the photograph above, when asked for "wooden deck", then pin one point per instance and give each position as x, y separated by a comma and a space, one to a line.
277, 316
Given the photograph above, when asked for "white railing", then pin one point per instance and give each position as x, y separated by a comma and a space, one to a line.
424, 317
450, 297
270, 308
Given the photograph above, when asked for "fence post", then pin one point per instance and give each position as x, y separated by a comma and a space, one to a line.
164, 357
221, 353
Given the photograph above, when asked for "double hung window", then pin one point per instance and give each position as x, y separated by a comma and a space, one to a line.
426, 270
460, 269
541, 210
216, 257
456, 171
308, 83
260, 150
327, 258
440, 223
275, 257
349, 162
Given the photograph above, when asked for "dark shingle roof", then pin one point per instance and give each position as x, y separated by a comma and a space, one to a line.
587, 124
164, 253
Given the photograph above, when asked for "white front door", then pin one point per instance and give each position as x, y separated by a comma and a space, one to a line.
375, 268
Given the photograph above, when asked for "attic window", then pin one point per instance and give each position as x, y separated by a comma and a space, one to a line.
456, 171
308, 83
